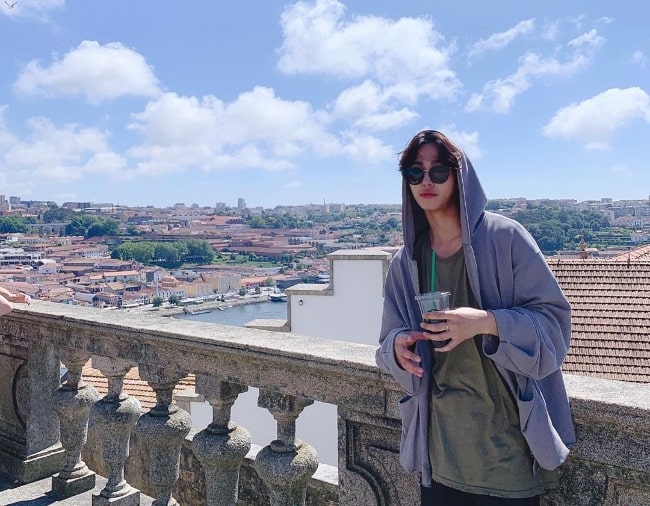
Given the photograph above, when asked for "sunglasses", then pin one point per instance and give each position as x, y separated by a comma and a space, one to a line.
438, 174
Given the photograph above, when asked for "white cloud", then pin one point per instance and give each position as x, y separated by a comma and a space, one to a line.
6, 137
551, 30
396, 63
498, 41
605, 20
258, 129
467, 141
499, 95
93, 71
318, 40
368, 106
367, 149
58, 154
36, 10
593, 121
638, 58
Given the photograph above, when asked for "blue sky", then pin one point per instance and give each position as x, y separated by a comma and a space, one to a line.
157, 102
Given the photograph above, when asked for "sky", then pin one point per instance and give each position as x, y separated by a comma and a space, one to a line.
291, 103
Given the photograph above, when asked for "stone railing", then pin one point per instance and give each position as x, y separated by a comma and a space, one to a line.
52, 429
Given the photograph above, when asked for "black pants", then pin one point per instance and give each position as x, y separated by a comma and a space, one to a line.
440, 495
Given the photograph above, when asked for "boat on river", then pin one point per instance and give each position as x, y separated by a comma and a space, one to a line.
278, 297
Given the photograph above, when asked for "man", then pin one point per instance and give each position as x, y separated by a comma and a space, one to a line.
486, 420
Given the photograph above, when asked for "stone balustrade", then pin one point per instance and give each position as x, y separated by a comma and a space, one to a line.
44, 424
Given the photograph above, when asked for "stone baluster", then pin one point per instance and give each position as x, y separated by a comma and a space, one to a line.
115, 416
162, 431
287, 464
222, 445
72, 403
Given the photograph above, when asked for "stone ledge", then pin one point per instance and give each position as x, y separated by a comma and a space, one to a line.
309, 289
275, 325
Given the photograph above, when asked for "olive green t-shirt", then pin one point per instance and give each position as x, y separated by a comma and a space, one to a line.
475, 442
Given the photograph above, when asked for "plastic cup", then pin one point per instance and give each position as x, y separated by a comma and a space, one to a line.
434, 301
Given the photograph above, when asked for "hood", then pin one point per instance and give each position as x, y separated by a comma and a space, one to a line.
472, 205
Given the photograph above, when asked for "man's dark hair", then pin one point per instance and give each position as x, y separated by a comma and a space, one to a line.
449, 154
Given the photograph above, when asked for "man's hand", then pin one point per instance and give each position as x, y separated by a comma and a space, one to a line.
405, 354
459, 325
22, 298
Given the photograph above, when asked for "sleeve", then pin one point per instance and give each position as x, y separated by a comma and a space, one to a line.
535, 332
395, 319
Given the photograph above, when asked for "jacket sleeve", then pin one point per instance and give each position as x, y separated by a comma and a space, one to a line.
535, 324
395, 319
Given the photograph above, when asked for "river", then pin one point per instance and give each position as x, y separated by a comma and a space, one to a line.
241, 314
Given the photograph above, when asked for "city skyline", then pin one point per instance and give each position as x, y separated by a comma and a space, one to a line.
155, 104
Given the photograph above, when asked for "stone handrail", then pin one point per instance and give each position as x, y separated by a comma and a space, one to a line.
291, 371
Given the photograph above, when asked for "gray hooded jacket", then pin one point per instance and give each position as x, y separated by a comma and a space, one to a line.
510, 278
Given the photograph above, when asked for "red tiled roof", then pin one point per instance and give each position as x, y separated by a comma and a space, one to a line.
610, 303
133, 385
640, 253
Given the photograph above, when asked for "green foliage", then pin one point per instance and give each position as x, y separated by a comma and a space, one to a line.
13, 225
199, 251
556, 229
104, 227
165, 254
174, 299
269, 219
132, 230
142, 252
157, 301
56, 214
92, 226
497, 205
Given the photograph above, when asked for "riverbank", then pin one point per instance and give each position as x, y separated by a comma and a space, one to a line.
207, 306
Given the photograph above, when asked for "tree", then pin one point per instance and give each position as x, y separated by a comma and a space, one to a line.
58, 214
102, 227
142, 252
173, 299
199, 251
13, 224
92, 226
157, 301
169, 254
132, 230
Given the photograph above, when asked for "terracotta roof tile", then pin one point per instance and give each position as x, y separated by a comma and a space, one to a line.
610, 301
133, 385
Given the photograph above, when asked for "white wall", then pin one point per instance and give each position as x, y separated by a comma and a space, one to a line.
349, 309
352, 312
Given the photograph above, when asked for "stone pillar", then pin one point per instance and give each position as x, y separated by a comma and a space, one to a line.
162, 431
30, 447
115, 416
73, 401
287, 464
221, 446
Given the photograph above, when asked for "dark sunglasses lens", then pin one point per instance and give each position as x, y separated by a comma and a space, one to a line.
414, 175
439, 174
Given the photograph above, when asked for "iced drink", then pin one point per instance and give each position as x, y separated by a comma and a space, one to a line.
434, 301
